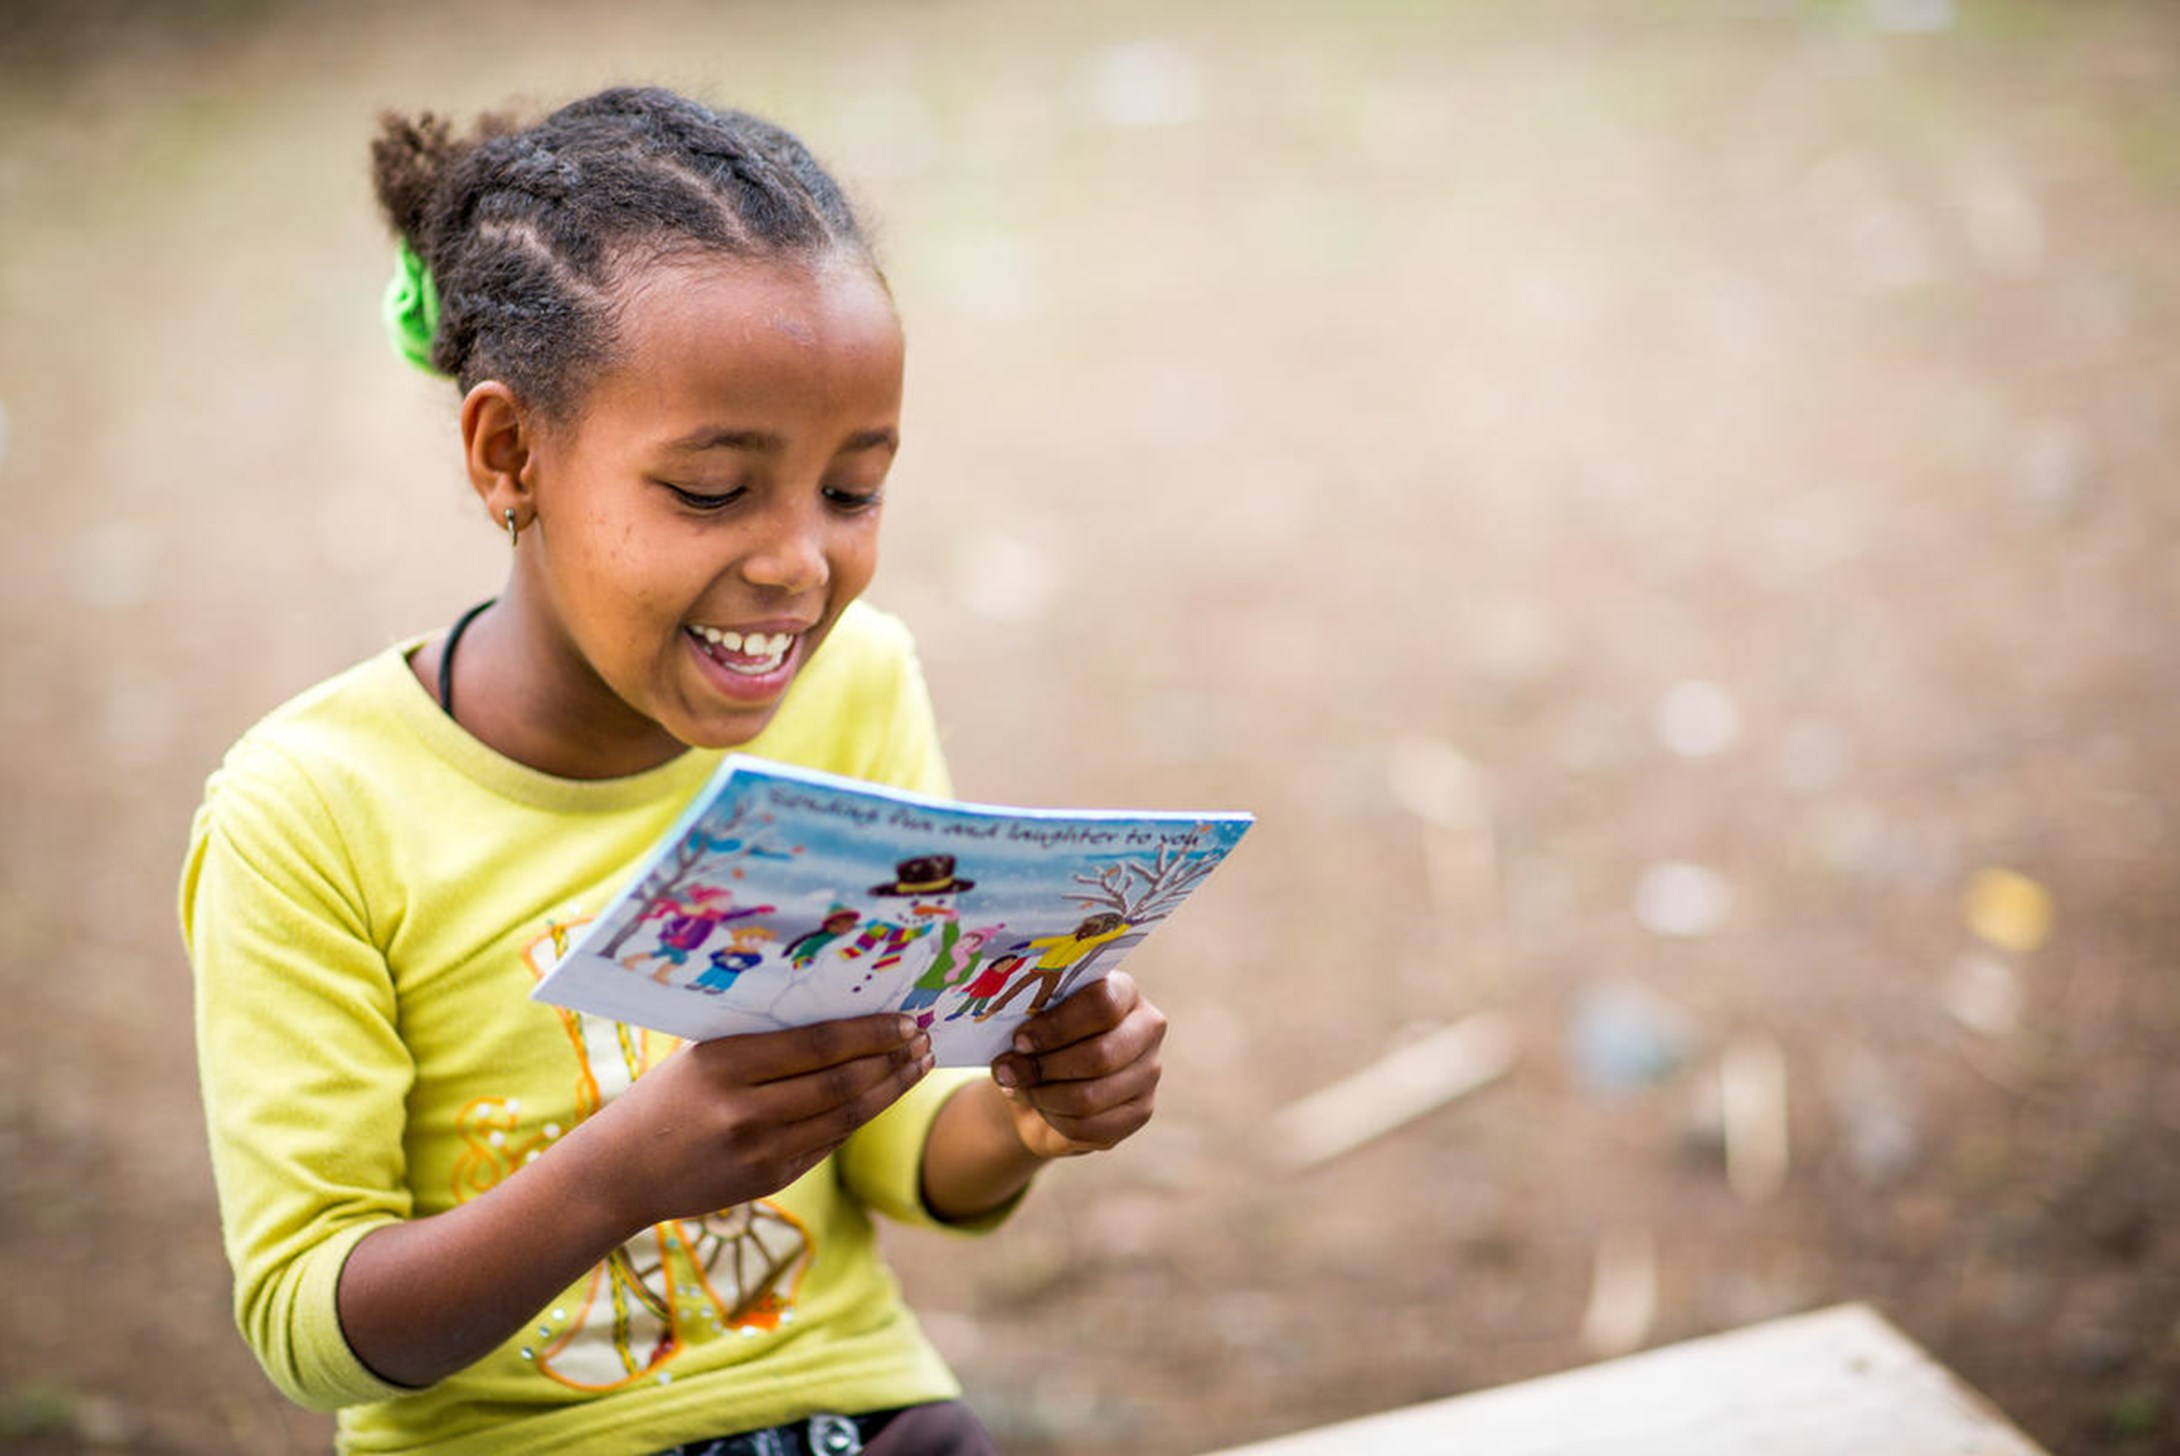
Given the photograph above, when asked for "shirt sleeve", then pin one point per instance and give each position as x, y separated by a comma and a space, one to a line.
303, 1069
910, 756
882, 1162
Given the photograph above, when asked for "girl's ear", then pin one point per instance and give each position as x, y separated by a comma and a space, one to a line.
497, 439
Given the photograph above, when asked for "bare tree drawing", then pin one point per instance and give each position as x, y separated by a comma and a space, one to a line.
712, 839
1141, 893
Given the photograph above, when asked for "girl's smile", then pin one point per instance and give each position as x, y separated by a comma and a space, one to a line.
696, 526
755, 665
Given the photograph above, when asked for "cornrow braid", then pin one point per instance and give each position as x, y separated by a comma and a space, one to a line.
527, 231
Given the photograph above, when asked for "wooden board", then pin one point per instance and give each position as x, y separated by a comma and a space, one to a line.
1838, 1382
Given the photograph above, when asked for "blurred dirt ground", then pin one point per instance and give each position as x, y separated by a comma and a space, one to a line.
1649, 502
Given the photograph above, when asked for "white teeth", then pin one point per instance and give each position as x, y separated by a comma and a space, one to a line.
767, 647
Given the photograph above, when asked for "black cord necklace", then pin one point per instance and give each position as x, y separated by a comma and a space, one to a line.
446, 654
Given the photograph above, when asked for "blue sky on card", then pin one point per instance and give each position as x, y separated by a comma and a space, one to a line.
824, 844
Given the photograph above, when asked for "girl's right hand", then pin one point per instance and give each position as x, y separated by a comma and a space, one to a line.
721, 1122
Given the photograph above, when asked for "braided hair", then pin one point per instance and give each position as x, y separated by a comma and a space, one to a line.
529, 231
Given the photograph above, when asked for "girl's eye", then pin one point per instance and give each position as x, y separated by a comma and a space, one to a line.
699, 501
851, 501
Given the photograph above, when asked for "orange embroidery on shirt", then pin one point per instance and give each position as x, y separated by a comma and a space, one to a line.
683, 1282
493, 1145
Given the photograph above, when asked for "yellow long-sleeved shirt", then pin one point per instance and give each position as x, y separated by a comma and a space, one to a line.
369, 897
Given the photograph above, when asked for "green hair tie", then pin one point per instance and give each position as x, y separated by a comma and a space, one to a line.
412, 309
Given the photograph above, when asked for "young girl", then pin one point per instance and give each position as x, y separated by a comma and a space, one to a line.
472, 1222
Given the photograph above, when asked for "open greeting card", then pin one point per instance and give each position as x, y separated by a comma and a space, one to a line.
785, 897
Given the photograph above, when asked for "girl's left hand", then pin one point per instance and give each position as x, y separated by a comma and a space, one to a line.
1084, 1074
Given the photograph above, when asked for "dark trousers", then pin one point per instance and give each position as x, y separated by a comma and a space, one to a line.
946, 1428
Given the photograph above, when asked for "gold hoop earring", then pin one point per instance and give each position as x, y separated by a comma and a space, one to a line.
512, 533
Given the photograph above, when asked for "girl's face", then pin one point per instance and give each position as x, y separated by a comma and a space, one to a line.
710, 510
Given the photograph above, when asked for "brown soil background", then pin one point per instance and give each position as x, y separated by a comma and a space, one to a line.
1289, 384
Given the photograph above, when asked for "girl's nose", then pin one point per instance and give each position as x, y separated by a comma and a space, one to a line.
788, 554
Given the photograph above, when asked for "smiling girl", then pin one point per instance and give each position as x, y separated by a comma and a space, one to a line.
474, 1223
